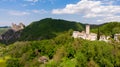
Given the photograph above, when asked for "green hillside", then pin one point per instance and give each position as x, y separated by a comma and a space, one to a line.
110, 28
48, 28
63, 51
52, 40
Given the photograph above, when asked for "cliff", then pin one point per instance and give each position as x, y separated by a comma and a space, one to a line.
12, 34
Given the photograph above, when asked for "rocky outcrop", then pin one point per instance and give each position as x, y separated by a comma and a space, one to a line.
43, 59
10, 36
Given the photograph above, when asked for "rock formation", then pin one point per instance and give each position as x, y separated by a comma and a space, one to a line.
43, 59
12, 34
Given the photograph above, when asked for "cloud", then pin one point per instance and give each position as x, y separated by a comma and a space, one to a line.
8, 0
24, 13
24, 5
31, 0
42, 11
110, 18
18, 13
52, 1
92, 9
81, 6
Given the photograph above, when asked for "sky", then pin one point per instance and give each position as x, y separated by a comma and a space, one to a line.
84, 11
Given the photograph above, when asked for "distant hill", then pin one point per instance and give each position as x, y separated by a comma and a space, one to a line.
48, 28
60, 51
3, 29
110, 28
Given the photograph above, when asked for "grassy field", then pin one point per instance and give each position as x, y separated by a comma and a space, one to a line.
3, 61
2, 30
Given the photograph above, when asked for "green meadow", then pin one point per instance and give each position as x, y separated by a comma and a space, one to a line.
3, 61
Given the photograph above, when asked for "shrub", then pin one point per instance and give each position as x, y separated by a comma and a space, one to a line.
12, 63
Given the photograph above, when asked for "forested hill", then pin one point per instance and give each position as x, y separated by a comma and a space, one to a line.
62, 50
110, 28
48, 28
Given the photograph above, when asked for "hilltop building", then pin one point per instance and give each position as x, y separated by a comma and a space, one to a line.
85, 34
91, 36
18, 27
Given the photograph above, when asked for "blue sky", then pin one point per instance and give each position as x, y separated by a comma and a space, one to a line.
85, 11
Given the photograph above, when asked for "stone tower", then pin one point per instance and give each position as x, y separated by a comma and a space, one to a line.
87, 29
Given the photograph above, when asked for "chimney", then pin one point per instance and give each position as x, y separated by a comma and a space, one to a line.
87, 29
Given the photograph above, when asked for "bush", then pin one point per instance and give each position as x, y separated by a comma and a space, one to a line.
12, 63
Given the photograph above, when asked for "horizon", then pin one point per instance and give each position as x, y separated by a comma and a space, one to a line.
84, 11
2, 26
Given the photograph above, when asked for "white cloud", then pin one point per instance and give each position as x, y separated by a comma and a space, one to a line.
42, 11
32, 0
24, 13
24, 5
92, 9
8, 0
51, 1
35, 11
110, 18
18, 13
81, 6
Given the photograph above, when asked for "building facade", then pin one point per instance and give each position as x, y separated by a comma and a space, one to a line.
93, 36
85, 34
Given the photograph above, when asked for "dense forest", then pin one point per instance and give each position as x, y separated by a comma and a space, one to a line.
57, 48
110, 28
62, 51
48, 28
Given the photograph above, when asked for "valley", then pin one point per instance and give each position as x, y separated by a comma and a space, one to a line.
49, 43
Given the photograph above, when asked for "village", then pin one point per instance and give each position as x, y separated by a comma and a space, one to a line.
92, 36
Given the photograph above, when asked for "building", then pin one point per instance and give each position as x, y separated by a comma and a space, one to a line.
104, 38
85, 34
92, 36
17, 27
116, 37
